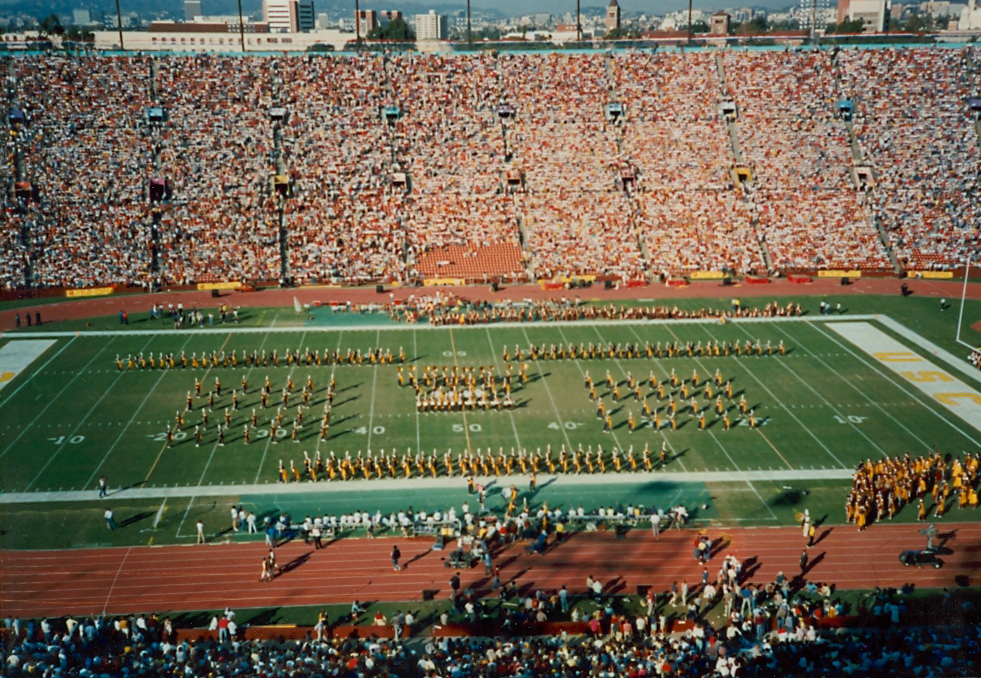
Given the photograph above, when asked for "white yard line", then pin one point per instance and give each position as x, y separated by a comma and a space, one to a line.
497, 364
79, 425
624, 372
463, 410
160, 512
661, 432
549, 391
903, 387
203, 378
751, 485
128, 423
269, 440
9, 446
739, 361
848, 382
193, 496
36, 372
109, 595
735, 465
462, 328
333, 370
374, 381
415, 355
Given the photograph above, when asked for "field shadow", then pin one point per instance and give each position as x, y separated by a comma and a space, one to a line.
295, 563
137, 518
789, 498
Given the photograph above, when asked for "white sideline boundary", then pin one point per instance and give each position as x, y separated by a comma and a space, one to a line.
855, 388
960, 365
879, 346
396, 485
783, 406
951, 360
401, 327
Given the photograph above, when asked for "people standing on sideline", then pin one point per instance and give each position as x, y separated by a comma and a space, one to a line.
943, 306
803, 561
201, 539
396, 554
805, 522
273, 570
656, 525
17, 320
455, 585
110, 519
811, 532
102, 487
323, 624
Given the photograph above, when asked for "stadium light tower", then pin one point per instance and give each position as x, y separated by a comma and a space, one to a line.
119, 26
469, 35
578, 24
814, 18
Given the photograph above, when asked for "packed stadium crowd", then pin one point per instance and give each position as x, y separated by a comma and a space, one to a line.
915, 131
403, 167
772, 632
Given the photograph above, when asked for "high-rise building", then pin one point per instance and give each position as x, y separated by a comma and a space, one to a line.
192, 8
430, 26
305, 15
322, 21
873, 13
612, 16
366, 20
387, 15
288, 16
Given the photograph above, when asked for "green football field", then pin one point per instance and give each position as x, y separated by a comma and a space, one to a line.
72, 416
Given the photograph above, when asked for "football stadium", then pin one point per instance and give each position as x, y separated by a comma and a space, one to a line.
492, 364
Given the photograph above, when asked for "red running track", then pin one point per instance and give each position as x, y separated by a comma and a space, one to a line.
186, 578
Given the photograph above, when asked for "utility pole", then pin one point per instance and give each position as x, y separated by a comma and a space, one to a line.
814, 15
469, 35
119, 25
690, 30
578, 24
241, 25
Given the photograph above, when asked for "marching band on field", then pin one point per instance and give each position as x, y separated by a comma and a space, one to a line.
455, 388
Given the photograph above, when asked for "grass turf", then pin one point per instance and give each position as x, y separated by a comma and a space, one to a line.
71, 416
